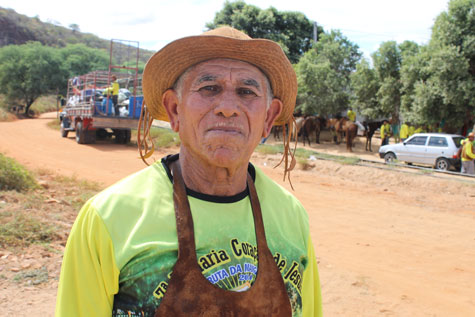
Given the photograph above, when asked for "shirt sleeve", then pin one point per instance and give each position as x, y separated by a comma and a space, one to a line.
89, 275
469, 151
311, 294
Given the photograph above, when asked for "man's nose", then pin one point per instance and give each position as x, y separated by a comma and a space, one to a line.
228, 105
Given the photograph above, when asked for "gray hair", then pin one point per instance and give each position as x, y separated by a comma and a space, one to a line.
178, 86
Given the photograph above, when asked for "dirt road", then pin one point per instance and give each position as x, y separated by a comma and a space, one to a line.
388, 244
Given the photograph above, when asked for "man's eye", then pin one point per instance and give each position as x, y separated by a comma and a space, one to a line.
246, 91
211, 88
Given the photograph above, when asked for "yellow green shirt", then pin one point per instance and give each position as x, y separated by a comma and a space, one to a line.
404, 133
113, 89
385, 130
122, 247
351, 115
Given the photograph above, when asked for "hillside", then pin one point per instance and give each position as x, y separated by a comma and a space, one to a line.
18, 29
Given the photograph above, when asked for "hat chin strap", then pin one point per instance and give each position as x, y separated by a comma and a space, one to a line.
288, 157
144, 140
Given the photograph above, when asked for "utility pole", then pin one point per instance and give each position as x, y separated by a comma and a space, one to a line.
315, 31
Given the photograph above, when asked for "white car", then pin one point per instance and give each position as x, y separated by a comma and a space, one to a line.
435, 149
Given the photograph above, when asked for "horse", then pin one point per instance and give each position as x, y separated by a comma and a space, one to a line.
330, 124
309, 125
350, 129
370, 128
297, 126
342, 126
277, 130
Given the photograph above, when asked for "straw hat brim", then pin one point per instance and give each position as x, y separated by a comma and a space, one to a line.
165, 66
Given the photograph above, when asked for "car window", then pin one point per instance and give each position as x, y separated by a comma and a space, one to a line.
438, 141
417, 140
457, 140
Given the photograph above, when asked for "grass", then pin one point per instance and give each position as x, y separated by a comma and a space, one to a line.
24, 229
54, 124
44, 104
302, 155
162, 137
41, 105
42, 215
268, 149
165, 137
32, 277
14, 176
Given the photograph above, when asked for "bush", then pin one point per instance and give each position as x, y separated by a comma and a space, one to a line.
23, 230
14, 176
44, 104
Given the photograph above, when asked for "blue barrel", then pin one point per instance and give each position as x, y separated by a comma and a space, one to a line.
137, 102
107, 109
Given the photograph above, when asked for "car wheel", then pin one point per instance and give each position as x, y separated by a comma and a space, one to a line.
80, 135
64, 132
128, 135
389, 158
442, 164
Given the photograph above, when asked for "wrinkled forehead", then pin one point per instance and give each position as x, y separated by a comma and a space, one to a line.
221, 67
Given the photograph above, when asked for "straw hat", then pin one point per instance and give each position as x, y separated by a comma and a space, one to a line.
165, 66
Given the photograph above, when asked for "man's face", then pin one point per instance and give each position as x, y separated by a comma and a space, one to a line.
222, 113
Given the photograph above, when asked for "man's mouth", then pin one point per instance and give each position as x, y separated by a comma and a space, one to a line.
226, 128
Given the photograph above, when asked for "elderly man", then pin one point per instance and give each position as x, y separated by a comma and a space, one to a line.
203, 232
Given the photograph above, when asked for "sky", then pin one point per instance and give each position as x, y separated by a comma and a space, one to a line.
155, 23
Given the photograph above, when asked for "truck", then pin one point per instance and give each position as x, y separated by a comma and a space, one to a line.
89, 110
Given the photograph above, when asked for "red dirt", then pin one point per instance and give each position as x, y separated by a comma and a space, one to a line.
388, 243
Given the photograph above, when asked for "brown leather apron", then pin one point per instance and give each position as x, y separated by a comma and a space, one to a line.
189, 293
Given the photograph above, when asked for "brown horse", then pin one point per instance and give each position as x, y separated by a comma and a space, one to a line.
310, 125
297, 126
343, 126
277, 130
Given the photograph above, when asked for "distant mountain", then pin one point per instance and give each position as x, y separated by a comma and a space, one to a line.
18, 29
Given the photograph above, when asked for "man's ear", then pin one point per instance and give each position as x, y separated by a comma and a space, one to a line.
273, 112
170, 103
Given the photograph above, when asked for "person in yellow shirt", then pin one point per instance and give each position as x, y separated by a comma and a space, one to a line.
351, 115
404, 133
468, 156
113, 91
385, 132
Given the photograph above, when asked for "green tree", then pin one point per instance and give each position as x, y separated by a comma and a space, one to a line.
323, 75
78, 59
387, 64
365, 86
378, 92
292, 30
29, 71
440, 80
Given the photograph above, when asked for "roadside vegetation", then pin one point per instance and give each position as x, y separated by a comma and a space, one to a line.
11, 110
304, 157
14, 176
37, 207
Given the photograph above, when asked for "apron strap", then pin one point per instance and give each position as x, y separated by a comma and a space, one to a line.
184, 219
257, 213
